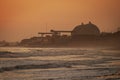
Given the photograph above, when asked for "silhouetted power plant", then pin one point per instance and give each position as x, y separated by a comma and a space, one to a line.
86, 29
83, 29
82, 35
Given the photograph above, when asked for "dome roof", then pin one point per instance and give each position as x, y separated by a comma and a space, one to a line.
86, 29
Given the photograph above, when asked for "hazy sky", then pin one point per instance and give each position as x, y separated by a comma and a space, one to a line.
25, 18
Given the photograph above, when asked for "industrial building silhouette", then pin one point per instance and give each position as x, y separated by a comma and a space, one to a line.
86, 29
82, 35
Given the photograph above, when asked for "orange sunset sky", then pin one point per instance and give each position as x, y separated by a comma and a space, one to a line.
25, 18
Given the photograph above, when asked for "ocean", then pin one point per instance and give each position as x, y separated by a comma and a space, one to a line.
59, 64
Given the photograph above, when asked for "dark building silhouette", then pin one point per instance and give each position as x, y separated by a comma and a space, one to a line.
86, 29
82, 35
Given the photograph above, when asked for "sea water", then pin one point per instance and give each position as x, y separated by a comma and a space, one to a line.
59, 64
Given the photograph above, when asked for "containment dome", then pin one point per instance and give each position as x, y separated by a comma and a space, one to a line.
86, 29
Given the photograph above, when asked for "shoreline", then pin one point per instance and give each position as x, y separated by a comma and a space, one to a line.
82, 47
